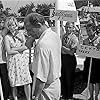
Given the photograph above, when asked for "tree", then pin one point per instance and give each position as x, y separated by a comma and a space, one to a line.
24, 10
43, 9
80, 3
6, 11
1, 5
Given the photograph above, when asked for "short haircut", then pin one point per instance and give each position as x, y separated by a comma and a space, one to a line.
34, 19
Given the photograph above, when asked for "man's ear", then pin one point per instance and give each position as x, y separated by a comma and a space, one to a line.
38, 25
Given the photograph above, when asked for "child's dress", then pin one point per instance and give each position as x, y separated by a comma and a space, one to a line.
18, 65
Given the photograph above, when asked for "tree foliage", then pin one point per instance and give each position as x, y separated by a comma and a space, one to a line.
43, 9
4, 13
80, 3
24, 10
1, 5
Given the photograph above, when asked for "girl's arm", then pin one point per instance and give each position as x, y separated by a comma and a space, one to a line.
66, 50
8, 48
20, 49
23, 47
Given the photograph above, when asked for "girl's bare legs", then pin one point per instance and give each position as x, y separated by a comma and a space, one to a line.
14, 91
96, 91
27, 89
33, 86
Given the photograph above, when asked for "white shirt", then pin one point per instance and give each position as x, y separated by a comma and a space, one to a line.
2, 51
73, 40
48, 62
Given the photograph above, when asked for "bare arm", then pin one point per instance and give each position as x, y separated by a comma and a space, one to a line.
23, 47
20, 49
39, 85
8, 48
67, 50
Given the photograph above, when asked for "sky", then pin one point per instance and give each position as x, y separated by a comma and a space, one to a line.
15, 4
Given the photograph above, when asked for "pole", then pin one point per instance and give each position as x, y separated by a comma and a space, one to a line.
89, 77
57, 22
1, 92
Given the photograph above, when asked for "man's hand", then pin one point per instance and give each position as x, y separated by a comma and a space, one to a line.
34, 98
29, 42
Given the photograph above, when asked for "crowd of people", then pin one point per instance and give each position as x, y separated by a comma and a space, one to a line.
46, 63
54, 60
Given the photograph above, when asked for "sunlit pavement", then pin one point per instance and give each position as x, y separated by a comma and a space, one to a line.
84, 95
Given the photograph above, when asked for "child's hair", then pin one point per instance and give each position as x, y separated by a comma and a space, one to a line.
11, 20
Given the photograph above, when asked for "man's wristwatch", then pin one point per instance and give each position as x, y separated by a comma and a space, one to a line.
35, 98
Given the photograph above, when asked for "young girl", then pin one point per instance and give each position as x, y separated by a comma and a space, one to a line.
92, 40
69, 43
17, 60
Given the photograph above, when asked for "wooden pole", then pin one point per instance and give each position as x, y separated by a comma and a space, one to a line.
1, 92
89, 77
57, 22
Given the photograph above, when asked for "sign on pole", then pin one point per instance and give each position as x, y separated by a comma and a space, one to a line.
89, 9
94, 9
66, 11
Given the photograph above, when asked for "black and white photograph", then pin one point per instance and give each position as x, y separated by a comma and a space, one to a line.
49, 49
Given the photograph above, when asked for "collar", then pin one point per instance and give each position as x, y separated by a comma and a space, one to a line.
42, 35
46, 31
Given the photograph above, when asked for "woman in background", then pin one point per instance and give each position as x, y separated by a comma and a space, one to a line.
17, 60
6, 89
92, 40
69, 43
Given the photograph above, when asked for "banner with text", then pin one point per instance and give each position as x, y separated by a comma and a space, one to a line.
66, 11
89, 51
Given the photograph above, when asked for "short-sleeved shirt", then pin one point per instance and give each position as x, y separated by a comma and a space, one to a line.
48, 62
71, 39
